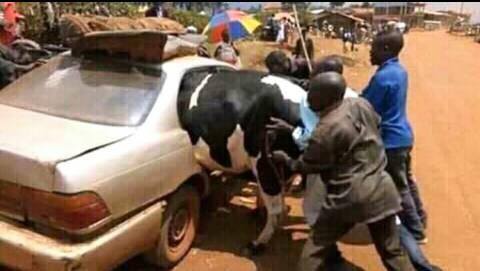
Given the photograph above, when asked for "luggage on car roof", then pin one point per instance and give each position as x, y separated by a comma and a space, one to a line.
73, 27
143, 45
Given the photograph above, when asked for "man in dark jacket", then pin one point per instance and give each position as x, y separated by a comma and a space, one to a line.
299, 52
346, 153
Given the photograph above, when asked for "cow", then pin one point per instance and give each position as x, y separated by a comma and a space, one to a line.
225, 114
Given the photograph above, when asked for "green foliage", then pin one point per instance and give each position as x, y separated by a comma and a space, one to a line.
366, 5
301, 6
188, 18
287, 6
305, 18
262, 17
254, 9
337, 4
34, 21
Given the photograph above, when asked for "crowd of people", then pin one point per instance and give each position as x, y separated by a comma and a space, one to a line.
356, 149
356, 159
17, 56
358, 33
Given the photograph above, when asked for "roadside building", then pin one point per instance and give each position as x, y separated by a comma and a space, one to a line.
396, 11
339, 20
272, 7
365, 14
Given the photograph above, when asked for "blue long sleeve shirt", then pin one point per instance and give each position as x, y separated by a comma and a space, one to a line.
310, 119
387, 92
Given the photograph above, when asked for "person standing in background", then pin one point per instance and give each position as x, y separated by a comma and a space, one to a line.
226, 50
299, 52
281, 33
9, 30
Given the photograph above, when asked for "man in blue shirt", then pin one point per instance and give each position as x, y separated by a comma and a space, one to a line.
356, 187
316, 190
387, 93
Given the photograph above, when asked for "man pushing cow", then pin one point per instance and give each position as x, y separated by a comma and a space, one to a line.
347, 154
316, 197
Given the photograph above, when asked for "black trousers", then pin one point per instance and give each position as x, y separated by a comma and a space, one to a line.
321, 245
399, 168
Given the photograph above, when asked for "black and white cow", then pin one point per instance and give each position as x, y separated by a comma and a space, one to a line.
225, 114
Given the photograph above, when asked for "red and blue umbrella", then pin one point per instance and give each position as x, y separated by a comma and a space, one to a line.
238, 23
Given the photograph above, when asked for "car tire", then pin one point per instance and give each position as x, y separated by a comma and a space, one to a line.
179, 228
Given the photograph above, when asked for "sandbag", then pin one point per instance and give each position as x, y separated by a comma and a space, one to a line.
178, 47
138, 45
73, 27
143, 45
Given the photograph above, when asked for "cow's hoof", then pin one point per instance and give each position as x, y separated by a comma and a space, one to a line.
287, 210
254, 250
282, 218
259, 214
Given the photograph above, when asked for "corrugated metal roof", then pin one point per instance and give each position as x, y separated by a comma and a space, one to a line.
271, 5
328, 13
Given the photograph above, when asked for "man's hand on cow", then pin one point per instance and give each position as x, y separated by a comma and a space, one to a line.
279, 157
280, 126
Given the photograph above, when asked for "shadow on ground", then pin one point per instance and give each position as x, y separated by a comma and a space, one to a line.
227, 225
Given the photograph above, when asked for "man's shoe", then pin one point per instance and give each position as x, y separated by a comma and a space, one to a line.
422, 241
436, 268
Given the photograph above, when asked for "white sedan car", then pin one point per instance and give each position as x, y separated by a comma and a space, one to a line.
94, 166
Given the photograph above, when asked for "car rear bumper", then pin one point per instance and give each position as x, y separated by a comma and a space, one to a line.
22, 249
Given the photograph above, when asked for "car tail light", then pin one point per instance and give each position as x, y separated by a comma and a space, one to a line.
11, 199
68, 212
60, 211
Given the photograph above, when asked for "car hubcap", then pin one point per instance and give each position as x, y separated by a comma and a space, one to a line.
178, 227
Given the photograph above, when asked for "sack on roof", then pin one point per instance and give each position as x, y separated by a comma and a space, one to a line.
143, 45
73, 27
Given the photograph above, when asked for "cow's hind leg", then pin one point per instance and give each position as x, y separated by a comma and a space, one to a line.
271, 193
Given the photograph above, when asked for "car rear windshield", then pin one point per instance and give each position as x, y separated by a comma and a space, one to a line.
99, 91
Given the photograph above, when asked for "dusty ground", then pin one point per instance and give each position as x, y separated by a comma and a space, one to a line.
225, 231
444, 107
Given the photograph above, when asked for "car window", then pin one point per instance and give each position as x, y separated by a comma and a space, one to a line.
98, 91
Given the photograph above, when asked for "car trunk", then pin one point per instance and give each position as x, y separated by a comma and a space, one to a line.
32, 144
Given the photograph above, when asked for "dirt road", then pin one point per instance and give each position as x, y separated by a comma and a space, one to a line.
444, 107
445, 111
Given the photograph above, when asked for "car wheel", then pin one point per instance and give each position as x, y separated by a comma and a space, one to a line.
179, 227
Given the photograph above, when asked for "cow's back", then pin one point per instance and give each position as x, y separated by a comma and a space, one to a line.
225, 114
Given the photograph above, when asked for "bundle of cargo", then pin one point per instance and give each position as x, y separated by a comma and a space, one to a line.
140, 45
73, 27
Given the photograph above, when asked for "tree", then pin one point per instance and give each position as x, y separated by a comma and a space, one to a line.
366, 5
337, 4
254, 9
300, 5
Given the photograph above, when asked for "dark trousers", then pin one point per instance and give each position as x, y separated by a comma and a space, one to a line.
321, 245
418, 259
414, 191
399, 168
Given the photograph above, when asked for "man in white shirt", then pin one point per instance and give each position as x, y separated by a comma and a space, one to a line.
301, 134
316, 188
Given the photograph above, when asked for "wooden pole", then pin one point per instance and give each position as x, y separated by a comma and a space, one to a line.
297, 22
